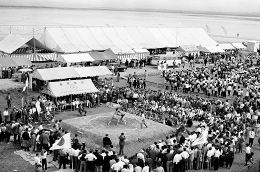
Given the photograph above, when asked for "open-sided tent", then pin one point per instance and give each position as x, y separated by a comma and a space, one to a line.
239, 45
188, 48
72, 87
93, 71
226, 46
13, 42
74, 58
55, 73
211, 49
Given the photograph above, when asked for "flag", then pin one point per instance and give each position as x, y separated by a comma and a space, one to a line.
63, 143
26, 85
207, 29
224, 29
202, 138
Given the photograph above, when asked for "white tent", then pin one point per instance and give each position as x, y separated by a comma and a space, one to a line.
239, 45
211, 49
72, 87
74, 58
226, 46
49, 74
122, 40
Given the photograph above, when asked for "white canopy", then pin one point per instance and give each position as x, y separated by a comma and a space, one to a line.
72, 87
122, 39
74, 58
239, 45
57, 73
139, 50
93, 71
211, 49
226, 46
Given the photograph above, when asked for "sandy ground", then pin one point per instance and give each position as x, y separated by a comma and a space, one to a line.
38, 18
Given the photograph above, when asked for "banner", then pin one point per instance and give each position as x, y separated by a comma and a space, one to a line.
202, 138
63, 143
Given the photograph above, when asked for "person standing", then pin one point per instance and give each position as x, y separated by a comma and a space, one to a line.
118, 77
82, 159
121, 144
9, 100
90, 158
216, 158
6, 115
143, 121
44, 159
251, 137
248, 153
107, 142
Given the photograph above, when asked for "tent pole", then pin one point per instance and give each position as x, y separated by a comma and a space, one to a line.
71, 102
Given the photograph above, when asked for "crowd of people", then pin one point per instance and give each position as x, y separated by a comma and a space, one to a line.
229, 126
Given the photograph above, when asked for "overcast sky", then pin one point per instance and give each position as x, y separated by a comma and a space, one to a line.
239, 6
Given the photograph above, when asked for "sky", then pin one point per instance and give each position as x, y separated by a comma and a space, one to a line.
226, 6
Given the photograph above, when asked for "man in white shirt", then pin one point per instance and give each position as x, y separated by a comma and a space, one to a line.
185, 155
6, 115
216, 158
90, 158
116, 167
251, 137
176, 162
37, 161
248, 153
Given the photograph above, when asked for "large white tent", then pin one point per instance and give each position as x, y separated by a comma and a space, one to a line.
72, 87
93, 71
122, 40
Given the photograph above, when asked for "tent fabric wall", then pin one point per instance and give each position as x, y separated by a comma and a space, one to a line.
74, 58
122, 39
65, 88
49, 74
211, 49
38, 57
15, 61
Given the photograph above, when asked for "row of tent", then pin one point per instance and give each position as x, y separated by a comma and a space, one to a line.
62, 73
121, 40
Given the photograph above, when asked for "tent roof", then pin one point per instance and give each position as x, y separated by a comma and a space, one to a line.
97, 56
64, 88
211, 49
93, 71
140, 50
55, 73
226, 46
74, 58
239, 45
188, 48
15, 61
122, 39
12, 42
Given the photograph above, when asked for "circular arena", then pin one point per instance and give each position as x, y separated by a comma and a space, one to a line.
94, 127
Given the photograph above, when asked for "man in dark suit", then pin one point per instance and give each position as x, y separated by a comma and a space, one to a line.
121, 143
107, 142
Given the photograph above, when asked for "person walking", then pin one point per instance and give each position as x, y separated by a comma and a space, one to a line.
143, 121
121, 143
